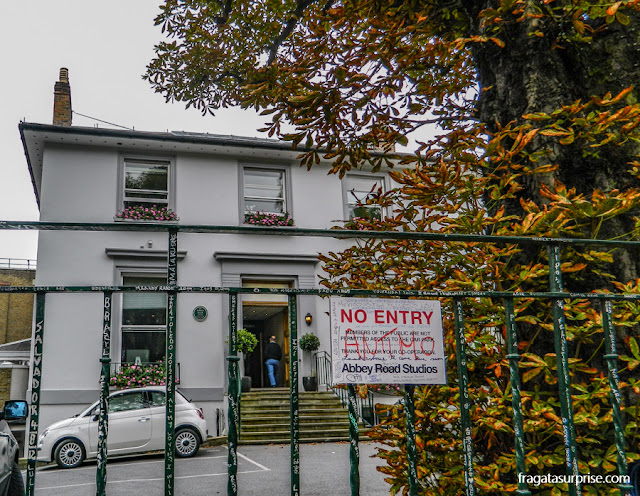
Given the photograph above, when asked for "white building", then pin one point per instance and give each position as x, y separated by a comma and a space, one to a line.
84, 174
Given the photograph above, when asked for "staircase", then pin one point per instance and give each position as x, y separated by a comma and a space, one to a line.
266, 420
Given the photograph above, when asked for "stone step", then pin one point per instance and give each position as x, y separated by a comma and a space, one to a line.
286, 394
265, 417
285, 426
285, 397
287, 440
285, 405
268, 419
285, 411
284, 433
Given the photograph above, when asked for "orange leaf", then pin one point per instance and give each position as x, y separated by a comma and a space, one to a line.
613, 9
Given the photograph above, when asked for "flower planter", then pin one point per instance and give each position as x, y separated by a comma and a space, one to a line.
310, 383
245, 384
152, 213
263, 219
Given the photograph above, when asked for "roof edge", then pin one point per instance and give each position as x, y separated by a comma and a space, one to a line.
180, 137
26, 154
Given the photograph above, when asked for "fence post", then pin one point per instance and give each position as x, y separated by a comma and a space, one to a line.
562, 363
232, 436
172, 296
614, 383
411, 440
518, 429
293, 388
103, 418
465, 401
34, 409
354, 450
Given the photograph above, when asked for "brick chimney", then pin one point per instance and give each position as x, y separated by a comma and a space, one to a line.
62, 100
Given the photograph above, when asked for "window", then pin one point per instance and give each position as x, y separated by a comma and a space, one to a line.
126, 401
356, 191
264, 190
144, 321
146, 182
157, 398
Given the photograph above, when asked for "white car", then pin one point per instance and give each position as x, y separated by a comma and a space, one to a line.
136, 424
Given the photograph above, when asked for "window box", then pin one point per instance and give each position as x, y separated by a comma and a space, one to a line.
156, 213
131, 375
268, 219
365, 224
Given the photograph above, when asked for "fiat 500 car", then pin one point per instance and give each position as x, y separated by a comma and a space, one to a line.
136, 424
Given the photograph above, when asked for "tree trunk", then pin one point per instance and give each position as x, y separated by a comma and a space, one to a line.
533, 74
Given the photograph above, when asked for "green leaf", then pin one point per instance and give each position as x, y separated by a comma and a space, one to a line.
633, 344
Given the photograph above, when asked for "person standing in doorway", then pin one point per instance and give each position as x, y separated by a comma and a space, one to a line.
273, 354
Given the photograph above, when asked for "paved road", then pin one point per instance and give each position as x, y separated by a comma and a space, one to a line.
262, 471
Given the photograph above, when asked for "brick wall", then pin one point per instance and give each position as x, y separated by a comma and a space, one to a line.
16, 310
16, 314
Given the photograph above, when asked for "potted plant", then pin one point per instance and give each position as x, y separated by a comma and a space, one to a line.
310, 343
246, 342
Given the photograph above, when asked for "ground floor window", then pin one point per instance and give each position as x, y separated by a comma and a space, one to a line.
144, 321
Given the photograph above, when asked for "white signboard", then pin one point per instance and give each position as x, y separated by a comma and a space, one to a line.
387, 341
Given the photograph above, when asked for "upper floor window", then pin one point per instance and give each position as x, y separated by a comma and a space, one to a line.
146, 182
264, 190
356, 191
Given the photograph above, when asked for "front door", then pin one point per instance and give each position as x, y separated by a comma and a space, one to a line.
266, 320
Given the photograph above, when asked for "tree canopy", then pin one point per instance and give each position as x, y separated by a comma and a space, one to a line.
538, 134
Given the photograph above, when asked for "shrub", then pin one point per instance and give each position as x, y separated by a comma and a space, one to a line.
247, 341
309, 342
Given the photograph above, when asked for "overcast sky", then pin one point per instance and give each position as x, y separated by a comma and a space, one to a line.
105, 46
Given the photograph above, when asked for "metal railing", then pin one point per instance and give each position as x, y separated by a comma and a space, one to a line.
556, 295
365, 407
18, 263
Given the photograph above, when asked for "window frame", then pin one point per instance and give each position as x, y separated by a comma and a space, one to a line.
286, 197
122, 165
122, 274
382, 179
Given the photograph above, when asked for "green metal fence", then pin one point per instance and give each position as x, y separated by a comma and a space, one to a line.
555, 294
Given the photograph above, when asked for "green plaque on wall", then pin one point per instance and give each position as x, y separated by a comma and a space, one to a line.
200, 313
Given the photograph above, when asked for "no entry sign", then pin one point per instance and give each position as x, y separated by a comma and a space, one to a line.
387, 341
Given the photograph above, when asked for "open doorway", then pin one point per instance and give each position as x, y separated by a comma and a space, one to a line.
265, 321
266, 315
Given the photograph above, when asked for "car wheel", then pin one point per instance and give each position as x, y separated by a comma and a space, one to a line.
16, 483
69, 453
187, 442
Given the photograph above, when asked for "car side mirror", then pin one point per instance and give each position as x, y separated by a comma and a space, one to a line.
15, 410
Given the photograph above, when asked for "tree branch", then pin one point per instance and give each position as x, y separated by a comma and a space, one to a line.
288, 28
226, 11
